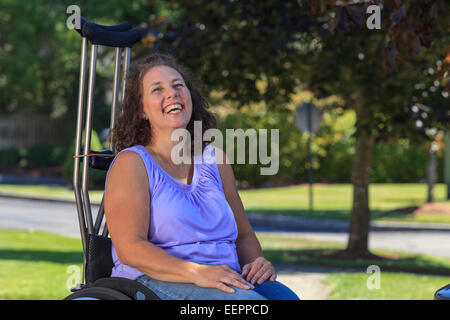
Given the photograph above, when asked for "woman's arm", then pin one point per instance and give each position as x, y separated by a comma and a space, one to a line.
127, 210
254, 266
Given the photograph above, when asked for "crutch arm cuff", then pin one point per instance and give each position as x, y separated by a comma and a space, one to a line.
113, 36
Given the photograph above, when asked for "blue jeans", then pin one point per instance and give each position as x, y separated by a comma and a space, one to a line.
186, 291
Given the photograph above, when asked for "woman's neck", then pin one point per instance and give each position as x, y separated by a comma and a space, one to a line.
162, 145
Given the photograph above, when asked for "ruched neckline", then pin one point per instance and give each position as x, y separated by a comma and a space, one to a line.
188, 187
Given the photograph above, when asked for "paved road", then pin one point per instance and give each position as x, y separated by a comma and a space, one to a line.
53, 217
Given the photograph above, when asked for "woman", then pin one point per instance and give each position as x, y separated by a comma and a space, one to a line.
179, 229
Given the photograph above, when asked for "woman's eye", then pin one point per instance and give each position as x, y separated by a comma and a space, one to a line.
179, 85
156, 89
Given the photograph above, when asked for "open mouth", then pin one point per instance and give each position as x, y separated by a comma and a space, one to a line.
174, 108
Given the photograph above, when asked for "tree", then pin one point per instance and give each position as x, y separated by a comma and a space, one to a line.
381, 92
233, 45
40, 56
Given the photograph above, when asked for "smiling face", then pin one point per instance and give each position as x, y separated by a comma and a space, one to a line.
166, 99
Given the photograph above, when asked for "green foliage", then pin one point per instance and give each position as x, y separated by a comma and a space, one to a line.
401, 161
9, 158
332, 147
35, 37
398, 162
232, 46
96, 177
45, 154
40, 56
39, 155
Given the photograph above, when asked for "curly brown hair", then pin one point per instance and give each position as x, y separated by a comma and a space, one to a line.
130, 128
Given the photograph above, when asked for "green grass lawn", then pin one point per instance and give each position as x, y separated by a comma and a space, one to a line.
333, 201
49, 192
392, 286
35, 265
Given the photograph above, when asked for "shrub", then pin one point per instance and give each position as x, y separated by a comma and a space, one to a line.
332, 147
333, 150
45, 154
401, 162
9, 158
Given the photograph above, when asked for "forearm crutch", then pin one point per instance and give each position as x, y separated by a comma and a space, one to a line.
122, 38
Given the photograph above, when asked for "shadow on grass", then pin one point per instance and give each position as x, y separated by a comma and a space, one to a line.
401, 213
319, 214
40, 255
335, 258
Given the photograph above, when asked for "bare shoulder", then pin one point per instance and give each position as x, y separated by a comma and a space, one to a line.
225, 169
221, 156
128, 164
127, 174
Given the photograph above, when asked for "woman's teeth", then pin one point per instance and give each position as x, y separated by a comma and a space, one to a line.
175, 108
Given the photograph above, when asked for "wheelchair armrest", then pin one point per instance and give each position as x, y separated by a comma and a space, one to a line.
101, 159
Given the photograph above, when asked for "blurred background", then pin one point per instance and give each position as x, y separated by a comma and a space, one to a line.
379, 153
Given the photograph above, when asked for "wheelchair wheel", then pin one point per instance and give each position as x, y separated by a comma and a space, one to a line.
97, 293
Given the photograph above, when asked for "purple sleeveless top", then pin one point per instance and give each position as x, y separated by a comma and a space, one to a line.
193, 222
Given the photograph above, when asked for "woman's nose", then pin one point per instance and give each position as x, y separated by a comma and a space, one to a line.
171, 92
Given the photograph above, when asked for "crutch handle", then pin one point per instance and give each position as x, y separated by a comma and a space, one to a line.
118, 28
121, 35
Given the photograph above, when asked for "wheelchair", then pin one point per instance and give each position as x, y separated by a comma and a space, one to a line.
97, 261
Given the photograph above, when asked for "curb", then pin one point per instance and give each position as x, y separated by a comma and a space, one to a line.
288, 222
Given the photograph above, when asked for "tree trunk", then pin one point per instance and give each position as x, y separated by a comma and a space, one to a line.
431, 174
358, 243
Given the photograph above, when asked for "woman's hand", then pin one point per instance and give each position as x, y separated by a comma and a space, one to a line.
259, 271
220, 277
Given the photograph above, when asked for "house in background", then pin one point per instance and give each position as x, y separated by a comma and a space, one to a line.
25, 129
